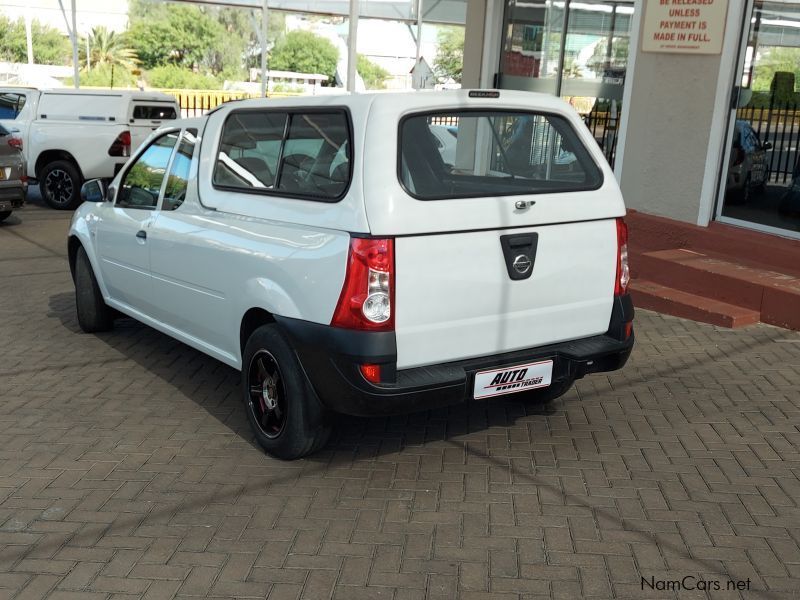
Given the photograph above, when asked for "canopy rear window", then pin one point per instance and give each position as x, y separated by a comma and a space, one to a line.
467, 154
154, 112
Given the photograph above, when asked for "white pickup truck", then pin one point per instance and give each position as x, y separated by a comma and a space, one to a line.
324, 247
70, 136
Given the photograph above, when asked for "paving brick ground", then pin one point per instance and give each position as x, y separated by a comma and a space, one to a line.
127, 470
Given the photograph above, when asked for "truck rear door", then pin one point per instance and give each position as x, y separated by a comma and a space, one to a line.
512, 247
148, 115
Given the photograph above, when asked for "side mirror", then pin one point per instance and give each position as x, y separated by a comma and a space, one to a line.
94, 190
766, 146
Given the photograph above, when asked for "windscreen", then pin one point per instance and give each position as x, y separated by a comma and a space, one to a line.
469, 154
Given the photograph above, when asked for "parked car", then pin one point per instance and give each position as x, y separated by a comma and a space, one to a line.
13, 181
748, 169
73, 135
322, 247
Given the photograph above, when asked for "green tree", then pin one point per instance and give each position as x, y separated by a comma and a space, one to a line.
449, 61
774, 60
107, 48
50, 46
242, 50
178, 34
305, 52
374, 75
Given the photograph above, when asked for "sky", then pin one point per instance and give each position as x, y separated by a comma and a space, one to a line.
91, 13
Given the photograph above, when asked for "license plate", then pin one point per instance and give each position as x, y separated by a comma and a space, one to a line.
509, 380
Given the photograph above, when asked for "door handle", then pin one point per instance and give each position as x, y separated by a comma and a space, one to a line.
141, 234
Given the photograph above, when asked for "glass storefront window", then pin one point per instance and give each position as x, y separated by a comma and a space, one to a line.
531, 48
761, 185
576, 50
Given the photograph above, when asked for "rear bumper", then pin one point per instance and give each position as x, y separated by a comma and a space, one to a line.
331, 357
12, 194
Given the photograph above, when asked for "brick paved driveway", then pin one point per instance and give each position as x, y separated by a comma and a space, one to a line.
127, 470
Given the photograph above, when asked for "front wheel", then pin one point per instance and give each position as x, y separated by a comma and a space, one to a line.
4, 215
60, 182
93, 313
284, 412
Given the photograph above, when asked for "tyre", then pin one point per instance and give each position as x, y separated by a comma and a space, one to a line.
93, 313
60, 183
4, 215
284, 412
548, 394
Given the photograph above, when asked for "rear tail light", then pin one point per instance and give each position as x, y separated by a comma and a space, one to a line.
15, 142
121, 145
623, 270
367, 297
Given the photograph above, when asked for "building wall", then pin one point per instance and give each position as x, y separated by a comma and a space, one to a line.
677, 111
666, 144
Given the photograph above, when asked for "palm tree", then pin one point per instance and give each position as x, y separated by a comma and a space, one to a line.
108, 48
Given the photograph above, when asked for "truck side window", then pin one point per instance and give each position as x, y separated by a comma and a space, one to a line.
11, 105
302, 154
178, 179
310, 152
249, 150
142, 183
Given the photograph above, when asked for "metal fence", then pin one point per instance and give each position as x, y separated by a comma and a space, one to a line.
778, 124
195, 103
604, 126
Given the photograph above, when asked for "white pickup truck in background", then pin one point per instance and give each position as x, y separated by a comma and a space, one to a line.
70, 136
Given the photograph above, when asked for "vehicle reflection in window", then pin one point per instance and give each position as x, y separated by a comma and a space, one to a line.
178, 180
142, 183
748, 171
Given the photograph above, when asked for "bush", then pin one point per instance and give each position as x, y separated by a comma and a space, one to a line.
173, 77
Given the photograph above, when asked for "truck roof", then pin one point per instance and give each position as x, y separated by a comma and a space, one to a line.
419, 100
132, 94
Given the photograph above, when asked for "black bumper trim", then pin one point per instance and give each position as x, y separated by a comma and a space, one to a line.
330, 358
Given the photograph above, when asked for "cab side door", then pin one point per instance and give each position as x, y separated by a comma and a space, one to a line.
122, 232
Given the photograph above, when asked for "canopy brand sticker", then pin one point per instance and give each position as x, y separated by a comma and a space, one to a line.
509, 380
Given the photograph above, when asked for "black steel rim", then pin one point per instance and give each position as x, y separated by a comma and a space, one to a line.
59, 186
267, 394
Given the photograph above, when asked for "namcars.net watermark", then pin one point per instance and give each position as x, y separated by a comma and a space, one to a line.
691, 583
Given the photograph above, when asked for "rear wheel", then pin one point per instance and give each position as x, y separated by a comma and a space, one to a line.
4, 215
286, 416
93, 313
60, 183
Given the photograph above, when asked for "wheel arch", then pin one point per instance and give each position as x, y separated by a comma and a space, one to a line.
48, 156
252, 319
73, 245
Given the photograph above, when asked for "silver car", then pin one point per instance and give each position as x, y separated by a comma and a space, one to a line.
13, 181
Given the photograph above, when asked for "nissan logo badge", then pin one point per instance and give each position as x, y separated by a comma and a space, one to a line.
522, 264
